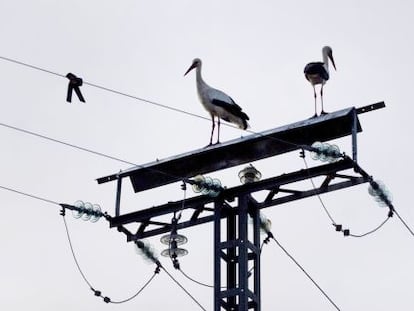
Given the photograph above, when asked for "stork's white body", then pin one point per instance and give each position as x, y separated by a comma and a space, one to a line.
318, 72
218, 103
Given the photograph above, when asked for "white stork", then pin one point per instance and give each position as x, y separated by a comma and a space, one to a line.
318, 73
217, 103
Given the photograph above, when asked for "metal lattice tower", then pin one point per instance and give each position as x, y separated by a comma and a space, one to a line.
235, 245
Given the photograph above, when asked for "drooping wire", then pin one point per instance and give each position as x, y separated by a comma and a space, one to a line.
372, 231
334, 223
97, 292
74, 255
183, 288
139, 291
194, 280
318, 196
305, 272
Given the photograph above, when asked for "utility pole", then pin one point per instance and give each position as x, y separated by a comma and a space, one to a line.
238, 246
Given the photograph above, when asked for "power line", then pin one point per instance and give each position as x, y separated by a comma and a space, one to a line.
126, 95
97, 292
15, 128
31, 66
318, 196
29, 195
183, 288
371, 231
339, 227
194, 280
64, 143
403, 222
211, 286
140, 99
106, 89
147, 101
306, 273
74, 256
139, 292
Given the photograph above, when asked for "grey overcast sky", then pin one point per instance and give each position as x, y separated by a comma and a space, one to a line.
253, 50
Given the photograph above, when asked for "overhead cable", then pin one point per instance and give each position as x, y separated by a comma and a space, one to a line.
305, 272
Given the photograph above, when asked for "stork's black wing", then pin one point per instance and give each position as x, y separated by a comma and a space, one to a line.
316, 68
232, 108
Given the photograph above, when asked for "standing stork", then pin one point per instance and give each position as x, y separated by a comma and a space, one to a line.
217, 103
318, 73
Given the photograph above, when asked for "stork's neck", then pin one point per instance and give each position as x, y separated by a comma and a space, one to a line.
199, 79
325, 61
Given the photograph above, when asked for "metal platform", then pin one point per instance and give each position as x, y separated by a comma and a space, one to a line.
247, 149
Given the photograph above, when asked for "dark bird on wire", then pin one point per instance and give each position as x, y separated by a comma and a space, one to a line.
318, 73
217, 103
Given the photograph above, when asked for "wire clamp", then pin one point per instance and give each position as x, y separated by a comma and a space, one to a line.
62, 212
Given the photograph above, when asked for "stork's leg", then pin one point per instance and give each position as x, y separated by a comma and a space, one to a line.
212, 130
322, 112
218, 130
314, 96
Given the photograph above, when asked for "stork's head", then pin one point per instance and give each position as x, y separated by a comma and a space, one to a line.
327, 50
196, 63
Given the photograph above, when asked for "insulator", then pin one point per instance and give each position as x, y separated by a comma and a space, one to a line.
249, 174
379, 191
265, 223
199, 181
178, 238
177, 252
314, 154
376, 187
207, 185
96, 213
88, 209
215, 188
334, 153
78, 212
146, 251
325, 152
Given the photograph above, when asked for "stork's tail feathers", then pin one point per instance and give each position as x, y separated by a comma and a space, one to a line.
245, 124
243, 118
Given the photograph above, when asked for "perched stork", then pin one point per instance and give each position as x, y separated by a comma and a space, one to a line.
318, 73
217, 103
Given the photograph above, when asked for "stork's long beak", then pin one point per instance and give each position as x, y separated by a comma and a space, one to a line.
332, 60
193, 65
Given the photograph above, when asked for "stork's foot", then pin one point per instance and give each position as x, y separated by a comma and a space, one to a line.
314, 116
210, 144
323, 113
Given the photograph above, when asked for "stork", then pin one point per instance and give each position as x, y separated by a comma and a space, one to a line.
318, 73
217, 103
